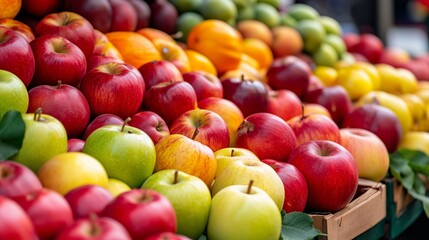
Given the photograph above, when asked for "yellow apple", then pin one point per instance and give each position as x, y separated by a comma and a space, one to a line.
225, 156
327, 75
416, 105
396, 81
415, 140
116, 187
356, 81
371, 70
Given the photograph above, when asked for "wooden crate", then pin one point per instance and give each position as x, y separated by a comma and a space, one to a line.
366, 210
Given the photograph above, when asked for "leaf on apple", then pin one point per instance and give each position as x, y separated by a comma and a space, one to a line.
12, 129
298, 226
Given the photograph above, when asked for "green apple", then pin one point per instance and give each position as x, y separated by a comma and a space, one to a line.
240, 4
189, 196
242, 171
187, 5
312, 33
267, 14
287, 20
224, 10
225, 156
186, 22
127, 153
13, 93
116, 187
330, 25
245, 13
325, 55
301, 12
337, 43
274, 3
45, 137
243, 212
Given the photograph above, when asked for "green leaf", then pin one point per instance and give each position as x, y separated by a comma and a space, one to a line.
298, 226
12, 130
401, 170
421, 197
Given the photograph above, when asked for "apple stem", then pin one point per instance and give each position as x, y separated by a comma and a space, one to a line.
375, 100
195, 133
232, 152
125, 123
59, 84
243, 77
302, 112
37, 114
249, 188
5, 172
176, 175
95, 229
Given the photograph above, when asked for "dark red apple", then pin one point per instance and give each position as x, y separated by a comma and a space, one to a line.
115, 88
267, 136
284, 103
17, 179
330, 172
205, 84
98, 13
143, 212
296, 188
163, 16
124, 16
150, 123
15, 52
40, 8
15, 223
159, 71
143, 13
75, 145
102, 120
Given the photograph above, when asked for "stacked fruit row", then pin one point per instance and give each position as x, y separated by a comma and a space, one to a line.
234, 124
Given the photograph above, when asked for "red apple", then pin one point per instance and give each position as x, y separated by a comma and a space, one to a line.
97, 60
88, 199
330, 172
70, 25
314, 127
143, 13
168, 236
115, 88
250, 96
16, 224
101, 228
379, 120
15, 52
289, 73
170, 99
351, 39
57, 59
48, 210
284, 103
163, 16
334, 98
159, 71
143, 212
314, 83
19, 27
98, 13
267, 136
296, 189
370, 46
205, 84
204, 126
150, 123
75, 145
64, 102
395, 57
419, 68
124, 16
102, 120
40, 8
17, 179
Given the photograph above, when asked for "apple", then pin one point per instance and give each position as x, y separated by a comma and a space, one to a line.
64, 102
19, 27
143, 212
314, 127
98, 13
370, 46
295, 185
415, 140
177, 151
75, 145
362, 143
229, 112
309, 108
115, 88
116, 187
205, 84
334, 98
169, 236
394, 56
243, 170
70, 170
289, 73
70, 25
44, 138
127, 153
150, 123
266, 135
39, 8
101, 120
351, 40
225, 156
13, 93
10, 9
48, 210
57, 59
243, 212
208, 127
104, 47
331, 174
16, 52
250, 96
17, 179
284, 103
124, 16
161, 99
379, 120
143, 13
163, 16
88, 199
97, 60
158, 71
16, 224
94, 228
183, 191
313, 34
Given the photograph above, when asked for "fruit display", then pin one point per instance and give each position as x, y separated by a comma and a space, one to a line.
195, 119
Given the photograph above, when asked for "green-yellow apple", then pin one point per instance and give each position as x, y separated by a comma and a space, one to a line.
325, 55
45, 137
267, 14
70, 170
243, 212
330, 25
415, 140
116, 187
187, 5
13, 93
224, 10
179, 152
362, 143
127, 153
312, 32
244, 170
301, 11
189, 196
226, 156
337, 43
